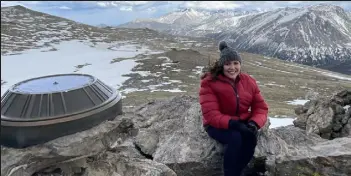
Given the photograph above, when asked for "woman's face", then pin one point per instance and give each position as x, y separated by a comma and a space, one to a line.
231, 69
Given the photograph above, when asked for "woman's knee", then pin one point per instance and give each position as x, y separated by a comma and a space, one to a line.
220, 135
235, 139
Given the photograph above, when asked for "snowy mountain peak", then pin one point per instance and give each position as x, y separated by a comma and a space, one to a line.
187, 10
182, 17
316, 35
192, 13
325, 7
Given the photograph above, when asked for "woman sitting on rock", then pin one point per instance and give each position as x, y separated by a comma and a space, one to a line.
226, 95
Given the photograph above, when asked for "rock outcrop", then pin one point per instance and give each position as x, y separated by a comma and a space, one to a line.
167, 138
106, 149
328, 117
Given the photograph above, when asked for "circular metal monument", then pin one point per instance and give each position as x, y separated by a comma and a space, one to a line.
41, 109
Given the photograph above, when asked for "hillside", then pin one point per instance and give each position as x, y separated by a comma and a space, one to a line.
319, 35
142, 63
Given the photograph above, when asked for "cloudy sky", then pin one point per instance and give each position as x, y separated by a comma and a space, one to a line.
118, 12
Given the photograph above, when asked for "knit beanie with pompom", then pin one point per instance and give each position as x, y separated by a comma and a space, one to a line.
227, 54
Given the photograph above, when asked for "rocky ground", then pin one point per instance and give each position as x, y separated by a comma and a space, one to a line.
166, 138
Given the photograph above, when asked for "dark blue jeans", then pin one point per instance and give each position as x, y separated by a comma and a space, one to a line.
238, 151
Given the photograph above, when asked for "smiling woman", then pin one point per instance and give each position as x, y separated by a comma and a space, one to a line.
226, 95
230, 60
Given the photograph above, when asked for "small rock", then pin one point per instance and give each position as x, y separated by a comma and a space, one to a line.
337, 127
300, 110
335, 135
342, 93
338, 109
347, 100
147, 141
345, 118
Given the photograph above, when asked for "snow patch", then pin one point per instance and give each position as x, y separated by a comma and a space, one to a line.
298, 102
177, 70
292, 16
198, 69
167, 90
175, 81
337, 76
279, 122
147, 73
272, 84
129, 90
34, 63
145, 81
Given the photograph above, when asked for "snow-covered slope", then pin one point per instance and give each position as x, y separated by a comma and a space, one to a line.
181, 21
317, 35
178, 19
23, 29
184, 17
35, 44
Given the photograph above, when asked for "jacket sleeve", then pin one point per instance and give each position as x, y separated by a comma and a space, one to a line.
259, 107
210, 107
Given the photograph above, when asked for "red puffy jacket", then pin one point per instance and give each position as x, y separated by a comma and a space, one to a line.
222, 100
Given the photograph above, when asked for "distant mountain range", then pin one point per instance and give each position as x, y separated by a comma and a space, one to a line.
318, 35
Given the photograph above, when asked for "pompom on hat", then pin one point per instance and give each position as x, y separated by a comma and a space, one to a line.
227, 53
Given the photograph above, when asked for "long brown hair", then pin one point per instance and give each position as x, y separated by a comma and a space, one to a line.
215, 69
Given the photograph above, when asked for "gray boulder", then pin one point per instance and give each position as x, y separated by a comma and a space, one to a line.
346, 130
325, 116
184, 146
293, 152
102, 150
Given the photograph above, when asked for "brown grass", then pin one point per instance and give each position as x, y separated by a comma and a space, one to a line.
286, 86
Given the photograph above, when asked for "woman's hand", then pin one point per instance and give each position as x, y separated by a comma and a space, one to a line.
253, 127
239, 126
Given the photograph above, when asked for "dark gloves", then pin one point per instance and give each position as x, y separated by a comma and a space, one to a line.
250, 128
234, 125
239, 126
253, 127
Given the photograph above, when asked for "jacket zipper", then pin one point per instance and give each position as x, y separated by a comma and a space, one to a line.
237, 101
